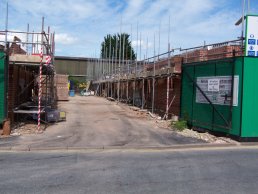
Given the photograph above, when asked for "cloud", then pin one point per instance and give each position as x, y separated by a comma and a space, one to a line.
191, 22
134, 8
88, 21
142, 43
65, 39
61, 10
10, 38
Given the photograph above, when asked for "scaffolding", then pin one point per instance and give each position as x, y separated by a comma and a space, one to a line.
31, 72
138, 82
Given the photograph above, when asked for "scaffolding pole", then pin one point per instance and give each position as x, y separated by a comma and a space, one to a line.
127, 85
112, 66
136, 64
40, 77
143, 96
153, 81
123, 60
119, 69
168, 69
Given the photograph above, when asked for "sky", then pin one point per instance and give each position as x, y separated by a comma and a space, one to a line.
80, 25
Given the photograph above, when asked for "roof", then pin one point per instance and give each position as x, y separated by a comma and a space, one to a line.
74, 58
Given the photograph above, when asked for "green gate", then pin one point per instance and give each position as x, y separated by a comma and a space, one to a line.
216, 95
3, 89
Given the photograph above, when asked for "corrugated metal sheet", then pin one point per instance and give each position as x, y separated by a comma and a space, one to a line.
74, 66
2, 86
196, 109
242, 116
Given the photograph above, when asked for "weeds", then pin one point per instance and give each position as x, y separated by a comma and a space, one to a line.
179, 125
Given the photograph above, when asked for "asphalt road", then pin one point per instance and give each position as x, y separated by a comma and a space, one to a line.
96, 122
123, 171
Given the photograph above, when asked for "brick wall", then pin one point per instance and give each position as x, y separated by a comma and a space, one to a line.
19, 79
195, 56
12, 88
175, 62
223, 52
161, 95
16, 49
61, 86
160, 98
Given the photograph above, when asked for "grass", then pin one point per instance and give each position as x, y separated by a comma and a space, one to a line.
179, 125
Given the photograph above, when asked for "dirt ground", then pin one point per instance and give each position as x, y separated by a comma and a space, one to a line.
166, 124
94, 122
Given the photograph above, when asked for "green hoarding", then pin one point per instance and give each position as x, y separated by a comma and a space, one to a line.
2, 87
222, 96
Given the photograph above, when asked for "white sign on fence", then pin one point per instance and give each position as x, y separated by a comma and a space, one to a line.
217, 89
213, 85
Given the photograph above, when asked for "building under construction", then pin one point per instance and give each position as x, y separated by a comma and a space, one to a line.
155, 83
209, 86
27, 74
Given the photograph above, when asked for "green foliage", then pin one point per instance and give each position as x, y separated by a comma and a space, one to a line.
111, 45
179, 125
75, 81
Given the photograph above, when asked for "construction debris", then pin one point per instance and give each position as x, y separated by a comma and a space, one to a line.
6, 127
205, 136
111, 99
61, 87
25, 128
134, 108
154, 116
166, 124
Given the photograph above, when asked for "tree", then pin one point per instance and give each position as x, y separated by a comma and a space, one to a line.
111, 45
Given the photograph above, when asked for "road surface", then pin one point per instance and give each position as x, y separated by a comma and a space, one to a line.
96, 122
128, 171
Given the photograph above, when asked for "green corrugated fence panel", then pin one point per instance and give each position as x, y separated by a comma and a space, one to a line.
203, 114
250, 98
2, 86
71, 67
233, 113
187, 95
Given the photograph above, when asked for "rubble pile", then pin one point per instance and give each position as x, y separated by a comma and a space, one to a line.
25, 128
166, 124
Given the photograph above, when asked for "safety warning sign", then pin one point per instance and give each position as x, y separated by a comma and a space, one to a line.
217, 89
251, 38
